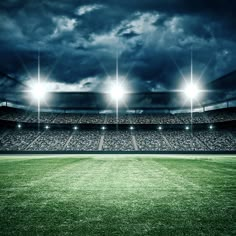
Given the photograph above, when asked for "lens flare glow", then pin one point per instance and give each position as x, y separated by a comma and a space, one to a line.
117, 92
38, 91
192, 90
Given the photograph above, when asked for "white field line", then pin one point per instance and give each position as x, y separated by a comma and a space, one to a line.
114, 156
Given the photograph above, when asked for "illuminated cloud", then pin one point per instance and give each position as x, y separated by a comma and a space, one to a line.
84, 85
138, 24
63, 24
79, 41
88, 8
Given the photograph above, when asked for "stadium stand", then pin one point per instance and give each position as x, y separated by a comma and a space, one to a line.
70, 118
67, 118
44, 117
218, 140
141, 119
14, 115
197, 118
92, 119
90, 140
20, 131
118, 141
17, 140
83, 141
122, 119
221, 115
158, 118
184, 141
151, 141
50, 140
165, 119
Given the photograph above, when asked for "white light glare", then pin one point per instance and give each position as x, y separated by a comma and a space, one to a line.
38, 91
19, 126
117, 92
103, 127
211, 126
160, 128
131, 128
191, 90
75, 127
187, 127
46, 127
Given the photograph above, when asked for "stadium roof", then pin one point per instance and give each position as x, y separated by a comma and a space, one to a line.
221, 89
226, 82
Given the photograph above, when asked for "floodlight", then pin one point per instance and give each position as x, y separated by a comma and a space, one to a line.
19, 126
187, 127
75, 127
211, 126
38, 91
46, 127
131, 128
103, 128
160, 128
191, 90
117, 92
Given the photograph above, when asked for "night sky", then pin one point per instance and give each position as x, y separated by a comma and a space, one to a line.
79, 40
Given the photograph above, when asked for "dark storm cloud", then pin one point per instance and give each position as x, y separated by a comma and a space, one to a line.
78, 41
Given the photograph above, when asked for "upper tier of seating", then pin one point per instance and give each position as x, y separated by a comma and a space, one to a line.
215, 116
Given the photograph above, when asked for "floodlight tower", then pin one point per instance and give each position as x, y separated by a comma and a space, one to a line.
39, 85
191, 91
117, 87
38, 90
117, 90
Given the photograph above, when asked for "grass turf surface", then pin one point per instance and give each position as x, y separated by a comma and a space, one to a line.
125, 195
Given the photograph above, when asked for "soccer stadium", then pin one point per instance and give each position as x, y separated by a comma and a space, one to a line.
98, 125
98, 131
113, 127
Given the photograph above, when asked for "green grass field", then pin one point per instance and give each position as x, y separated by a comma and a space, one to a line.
118, 195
